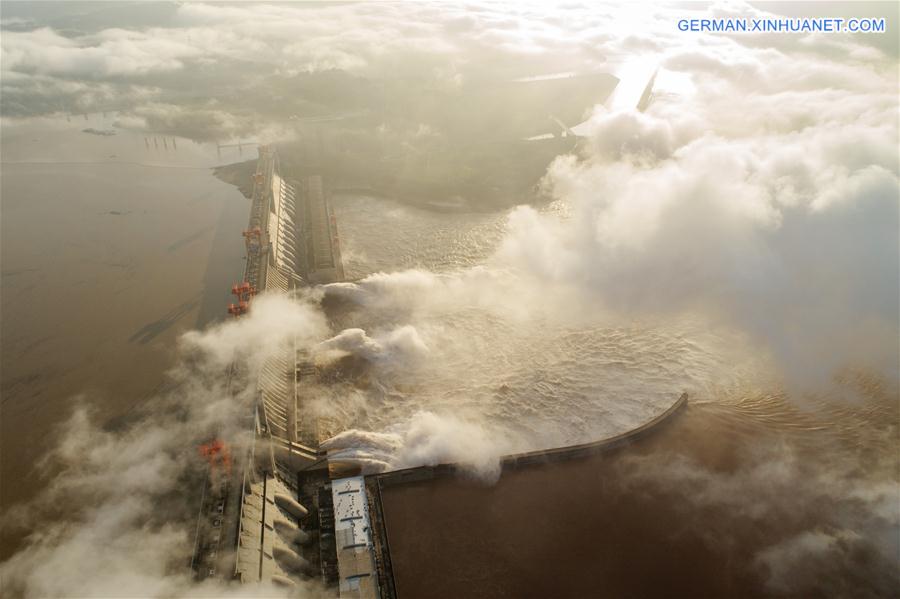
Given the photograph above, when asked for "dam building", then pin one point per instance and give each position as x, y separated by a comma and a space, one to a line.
271, 512
274, 509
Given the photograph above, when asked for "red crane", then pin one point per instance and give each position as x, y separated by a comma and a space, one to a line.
239, 308
217, 454
254, 232
243, 291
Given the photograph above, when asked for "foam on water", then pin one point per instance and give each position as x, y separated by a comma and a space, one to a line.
518, 367
526, 375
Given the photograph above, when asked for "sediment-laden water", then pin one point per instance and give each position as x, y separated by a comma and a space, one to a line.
112, 246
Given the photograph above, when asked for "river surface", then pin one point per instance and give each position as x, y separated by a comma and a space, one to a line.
111, 247
500, 349
743, 498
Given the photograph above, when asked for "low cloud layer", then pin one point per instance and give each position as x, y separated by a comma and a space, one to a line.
402, 345
761, 191
81, 58
119, 506
426, 439
789, 496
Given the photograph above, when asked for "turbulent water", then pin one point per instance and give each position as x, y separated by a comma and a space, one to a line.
764, 486
384, 235
533, 376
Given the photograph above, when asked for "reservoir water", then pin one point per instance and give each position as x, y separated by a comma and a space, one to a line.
111, 247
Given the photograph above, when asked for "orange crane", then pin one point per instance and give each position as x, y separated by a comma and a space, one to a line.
239, 308
217, 454
244, 291
255, 232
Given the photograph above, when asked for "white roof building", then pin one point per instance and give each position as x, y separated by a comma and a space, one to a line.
353, 537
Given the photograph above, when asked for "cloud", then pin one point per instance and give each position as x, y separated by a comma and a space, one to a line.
431, 439
814, 552
614, 136
402, 345
112, 53
428, 439
275, 322
802, 517
235, 47
775, 213
115, 515
231, 50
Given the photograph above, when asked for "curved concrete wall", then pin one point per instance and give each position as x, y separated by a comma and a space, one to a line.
584, 449
543, 455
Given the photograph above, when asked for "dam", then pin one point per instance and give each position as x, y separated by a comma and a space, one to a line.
253, 500
274, 508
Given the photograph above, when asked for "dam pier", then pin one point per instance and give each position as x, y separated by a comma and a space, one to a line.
259, 489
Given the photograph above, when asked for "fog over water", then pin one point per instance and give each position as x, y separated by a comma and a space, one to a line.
110, 251
737, 240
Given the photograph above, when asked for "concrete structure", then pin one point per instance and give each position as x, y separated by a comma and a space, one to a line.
376, 484
634, 91
352, 529
272, 510
324, 264
267, 516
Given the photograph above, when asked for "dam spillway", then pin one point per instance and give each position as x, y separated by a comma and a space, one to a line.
249, 525
274, 509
